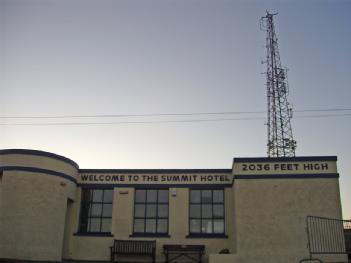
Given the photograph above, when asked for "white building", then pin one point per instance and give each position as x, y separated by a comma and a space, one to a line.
51, 210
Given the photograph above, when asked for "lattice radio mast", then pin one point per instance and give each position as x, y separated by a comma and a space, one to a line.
280, 137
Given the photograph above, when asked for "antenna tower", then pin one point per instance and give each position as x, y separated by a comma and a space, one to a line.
280, 137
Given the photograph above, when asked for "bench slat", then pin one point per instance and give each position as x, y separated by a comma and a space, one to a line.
133, 247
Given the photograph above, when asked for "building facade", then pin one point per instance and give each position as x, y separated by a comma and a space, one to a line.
51, 210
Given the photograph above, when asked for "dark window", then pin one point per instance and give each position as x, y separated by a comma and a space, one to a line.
96, 210
206, 211
151, 211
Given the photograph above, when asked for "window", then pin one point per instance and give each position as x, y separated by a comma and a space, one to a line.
206, 211
151, 211
96, 211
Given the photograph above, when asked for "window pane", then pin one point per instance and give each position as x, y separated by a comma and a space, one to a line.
151, 196
163, 196
162, 226
151, 215
107, 210
84, 215
195, 196
86, 195
96, 209
140, 196
108, 196
139, 225
206, 211
96, 212
218, 211
94, 224
106, 225
206, 226
83, 227
150, 225
218, 226
162, 211
218, 196
206, 196
195, 211
97, 195
139, 211
150, 210
195, 226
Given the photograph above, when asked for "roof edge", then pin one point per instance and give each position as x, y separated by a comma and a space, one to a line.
40, 153
155, 170
285, 159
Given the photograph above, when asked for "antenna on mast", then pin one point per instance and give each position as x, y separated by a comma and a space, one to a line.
279, 112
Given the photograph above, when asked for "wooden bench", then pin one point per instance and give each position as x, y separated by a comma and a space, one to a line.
133, 247
192, 252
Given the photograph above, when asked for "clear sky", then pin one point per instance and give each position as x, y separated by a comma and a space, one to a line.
84, 57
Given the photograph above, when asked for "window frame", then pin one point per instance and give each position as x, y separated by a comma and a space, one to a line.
203, 234
86, 207
145, 217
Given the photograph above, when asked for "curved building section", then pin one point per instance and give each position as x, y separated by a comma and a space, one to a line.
36, 190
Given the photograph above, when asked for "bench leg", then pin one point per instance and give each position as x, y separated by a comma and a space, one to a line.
113, 258
154, 255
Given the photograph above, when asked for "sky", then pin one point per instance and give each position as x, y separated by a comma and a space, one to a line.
140, 57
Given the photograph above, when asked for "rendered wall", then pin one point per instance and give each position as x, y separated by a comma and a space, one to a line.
33, 205
271, 215
273, 197
97, 248
265, 220
265, 212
